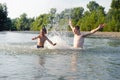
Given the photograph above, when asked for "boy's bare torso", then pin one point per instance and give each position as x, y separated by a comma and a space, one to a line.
41, 40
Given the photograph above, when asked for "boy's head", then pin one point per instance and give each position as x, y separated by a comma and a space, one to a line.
43, 30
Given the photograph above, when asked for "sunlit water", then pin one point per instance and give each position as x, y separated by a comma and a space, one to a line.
21, 60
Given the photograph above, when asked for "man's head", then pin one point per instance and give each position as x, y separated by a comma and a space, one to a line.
76, 29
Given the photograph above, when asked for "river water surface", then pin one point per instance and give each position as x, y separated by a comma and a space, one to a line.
21, 60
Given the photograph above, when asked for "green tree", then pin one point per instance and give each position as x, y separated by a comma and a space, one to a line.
113, 16
8, 24
92, 18
14, 24
23, 23
3, 17
40, 22
76, 14
92, 6
52, 17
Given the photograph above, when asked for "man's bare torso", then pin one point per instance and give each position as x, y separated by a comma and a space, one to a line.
78, 41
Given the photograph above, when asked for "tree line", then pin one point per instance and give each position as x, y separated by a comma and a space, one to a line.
87, 20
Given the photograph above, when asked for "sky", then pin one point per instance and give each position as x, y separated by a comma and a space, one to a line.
34, 8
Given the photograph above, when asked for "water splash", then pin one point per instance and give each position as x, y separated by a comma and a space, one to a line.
61, 43
59, 28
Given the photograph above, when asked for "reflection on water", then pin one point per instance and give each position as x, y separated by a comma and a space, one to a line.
114, 43
20, 60
74, 62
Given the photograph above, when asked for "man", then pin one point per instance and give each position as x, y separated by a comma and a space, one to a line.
78, 37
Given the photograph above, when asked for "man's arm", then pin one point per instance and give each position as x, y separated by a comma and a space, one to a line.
70, 24
94, 30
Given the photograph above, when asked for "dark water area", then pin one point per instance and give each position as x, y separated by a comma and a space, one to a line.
21, 60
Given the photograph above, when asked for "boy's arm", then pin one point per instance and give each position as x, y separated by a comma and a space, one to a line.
70, 24
94, 30
35, 38
50, 42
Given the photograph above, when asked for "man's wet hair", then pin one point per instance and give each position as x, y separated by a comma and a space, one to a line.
77, 27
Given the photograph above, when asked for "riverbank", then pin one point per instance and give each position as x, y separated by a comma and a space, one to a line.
115, 35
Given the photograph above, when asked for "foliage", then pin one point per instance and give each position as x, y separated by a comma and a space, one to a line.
3, 17
22, 23
87, 20
40, 22
113, 16
93, 17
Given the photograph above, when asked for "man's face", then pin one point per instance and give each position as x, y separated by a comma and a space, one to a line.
76, 31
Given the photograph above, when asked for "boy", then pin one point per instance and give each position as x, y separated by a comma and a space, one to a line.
78, 37
42, 38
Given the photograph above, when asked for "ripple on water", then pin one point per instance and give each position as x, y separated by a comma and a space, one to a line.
23, 61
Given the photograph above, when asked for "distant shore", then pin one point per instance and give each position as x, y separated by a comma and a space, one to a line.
115, 35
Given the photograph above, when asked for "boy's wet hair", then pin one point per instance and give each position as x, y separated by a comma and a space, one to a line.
77, 27
44, 29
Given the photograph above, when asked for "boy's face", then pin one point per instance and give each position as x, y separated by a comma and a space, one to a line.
43, 31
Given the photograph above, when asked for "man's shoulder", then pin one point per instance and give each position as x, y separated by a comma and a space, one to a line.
80, 35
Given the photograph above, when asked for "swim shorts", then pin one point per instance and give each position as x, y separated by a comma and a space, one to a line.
40, 46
